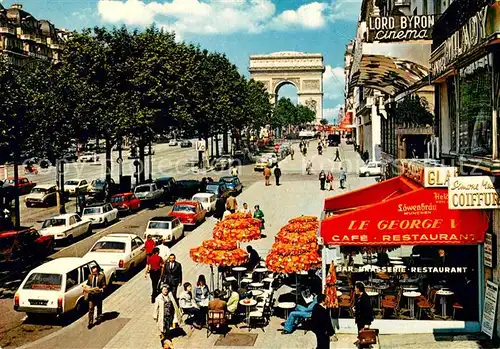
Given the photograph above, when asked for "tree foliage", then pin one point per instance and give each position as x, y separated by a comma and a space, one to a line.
286, 113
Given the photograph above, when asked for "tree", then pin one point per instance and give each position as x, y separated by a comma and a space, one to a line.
323, 122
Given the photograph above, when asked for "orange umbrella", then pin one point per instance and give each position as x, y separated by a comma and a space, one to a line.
219, 253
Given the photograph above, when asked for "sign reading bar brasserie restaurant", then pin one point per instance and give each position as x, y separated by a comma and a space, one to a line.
473, 193
400, 28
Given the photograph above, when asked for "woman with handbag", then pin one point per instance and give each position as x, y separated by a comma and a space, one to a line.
363, 315
165, 312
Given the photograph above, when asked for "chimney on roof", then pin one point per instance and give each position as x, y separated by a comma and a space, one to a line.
17, 6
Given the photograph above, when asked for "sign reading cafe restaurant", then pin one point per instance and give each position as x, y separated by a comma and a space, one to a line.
400, 28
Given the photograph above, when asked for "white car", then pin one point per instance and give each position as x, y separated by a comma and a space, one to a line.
207, 200
165, 228
75, 186
100, 214
122, 252
65, 227
56, 287
148, 192
41, 195
271, 157
89, 157
372, 168
172, 143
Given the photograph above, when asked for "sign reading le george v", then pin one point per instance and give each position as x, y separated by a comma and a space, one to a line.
400, 28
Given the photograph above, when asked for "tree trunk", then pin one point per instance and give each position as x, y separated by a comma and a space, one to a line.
207, 160
142, 158
225, 147
107, 144
211, 147
200, 154
217, 154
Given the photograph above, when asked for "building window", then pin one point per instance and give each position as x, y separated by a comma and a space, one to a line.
452, 111
475, 114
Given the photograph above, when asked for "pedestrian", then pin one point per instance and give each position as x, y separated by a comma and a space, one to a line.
234, 171
322, 180
267, 175
231, 203
292, 153
96, 283
309, 166
165, 309
277, 175
321, 323
246, 209
154, 267
164, 250
337, 155
342, 177
363, 313
220, 207
149, 245
329, 180
259, 215
366, 156
188, 305
172, 274
202, 295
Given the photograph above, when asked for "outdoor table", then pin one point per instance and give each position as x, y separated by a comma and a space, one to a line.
374, 294
411, 301
397, 262
238, 271
256, 285
286, 306
395, 258
444, 294
410, 288
246, 281
260, 272
248, 303
256, 293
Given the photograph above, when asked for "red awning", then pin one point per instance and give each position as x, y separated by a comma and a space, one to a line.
399, 212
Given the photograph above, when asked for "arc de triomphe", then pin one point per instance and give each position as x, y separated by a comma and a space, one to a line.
303, 70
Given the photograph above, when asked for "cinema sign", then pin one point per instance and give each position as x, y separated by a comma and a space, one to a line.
400, 28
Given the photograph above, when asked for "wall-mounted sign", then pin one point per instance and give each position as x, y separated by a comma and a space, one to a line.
473, 193
429, 177
490, 307
489, 251
400, 28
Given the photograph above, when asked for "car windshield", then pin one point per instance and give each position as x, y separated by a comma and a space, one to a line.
212, 188
159, 225
143, 189
92, 210
109, 246
118, 199
9, 182
71, 183
54, 222
184, 208
38, 190
200, 199
98, 183
226, 179
6, 242
40, 281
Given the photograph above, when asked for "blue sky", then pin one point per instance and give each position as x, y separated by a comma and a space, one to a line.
236, 27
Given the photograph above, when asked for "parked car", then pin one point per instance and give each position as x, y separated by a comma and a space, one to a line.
120, 251
24, 245
232, 183
101, 188
207, 200
172, 143
190, 213
41, 195
100, 214
185, 189
56, 287
273, 158
25, 185
266, 160
219, 189
125, 202
167, 228
168, 185
89, 156
148, 193
75, 186
65, 227
372, 168
224, 162
186, 144
69, 156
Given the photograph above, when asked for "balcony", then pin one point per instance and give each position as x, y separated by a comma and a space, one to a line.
4, 29
56, 46
41, 40
26, 36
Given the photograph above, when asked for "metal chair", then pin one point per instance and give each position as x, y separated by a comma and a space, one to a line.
216, 320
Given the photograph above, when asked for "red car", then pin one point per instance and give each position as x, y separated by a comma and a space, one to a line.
24, 244
125, 202
25, 185
189, 212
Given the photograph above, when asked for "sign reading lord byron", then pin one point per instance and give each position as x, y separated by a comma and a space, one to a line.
473, 193
400, 28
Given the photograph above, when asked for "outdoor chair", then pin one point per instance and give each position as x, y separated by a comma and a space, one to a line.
392, 305
260, 318
347, 302
216, 321
456, 306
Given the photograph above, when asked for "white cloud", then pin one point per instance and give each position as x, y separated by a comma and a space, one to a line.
311, 16
345, 10
332, 114
333, 83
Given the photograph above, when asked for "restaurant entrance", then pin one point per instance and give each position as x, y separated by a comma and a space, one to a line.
421, 262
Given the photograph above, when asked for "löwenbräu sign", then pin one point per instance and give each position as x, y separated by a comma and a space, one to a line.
400, 28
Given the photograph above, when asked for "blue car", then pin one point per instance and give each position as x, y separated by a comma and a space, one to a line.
233, 183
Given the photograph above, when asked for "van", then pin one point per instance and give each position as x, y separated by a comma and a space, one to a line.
56, 287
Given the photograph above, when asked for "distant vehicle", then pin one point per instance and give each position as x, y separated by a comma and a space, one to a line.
168, 228
69, 156
207, 200
349, 140
186, 144
189, 212
120, 251
333, 140
373, 168
172, 143
224, 162
219, 189
56, 287
101, 188
75, 186
125, 202
168, 184
65, 227
232, 183
185, 189
24, 245
41, 195
100, 214
307, 134
89, 157
149, 192
25, 185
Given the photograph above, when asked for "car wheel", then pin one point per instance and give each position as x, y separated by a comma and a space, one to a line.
367, 174
130, 271
105, 223
89, 230
28, 204
69, 240
80, 307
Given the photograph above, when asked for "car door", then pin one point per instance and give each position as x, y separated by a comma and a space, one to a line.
51, 196
83, 185
73, 290
176, 229
80, 225
134, 203
138, 250
200, 213
73, 227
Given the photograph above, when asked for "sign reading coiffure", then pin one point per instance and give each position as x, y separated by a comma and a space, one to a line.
400, 28
473, 193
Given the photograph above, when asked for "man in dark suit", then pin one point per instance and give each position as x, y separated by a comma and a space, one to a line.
321, 323
363, 312
96, 281
172, 274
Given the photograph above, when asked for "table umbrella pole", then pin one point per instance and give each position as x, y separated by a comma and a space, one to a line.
212, 284
297, 289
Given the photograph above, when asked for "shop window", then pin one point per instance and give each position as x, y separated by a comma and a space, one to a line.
475, 113
452, 111
496, 102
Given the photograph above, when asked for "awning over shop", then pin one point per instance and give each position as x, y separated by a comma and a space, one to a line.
399, 212
387, 74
